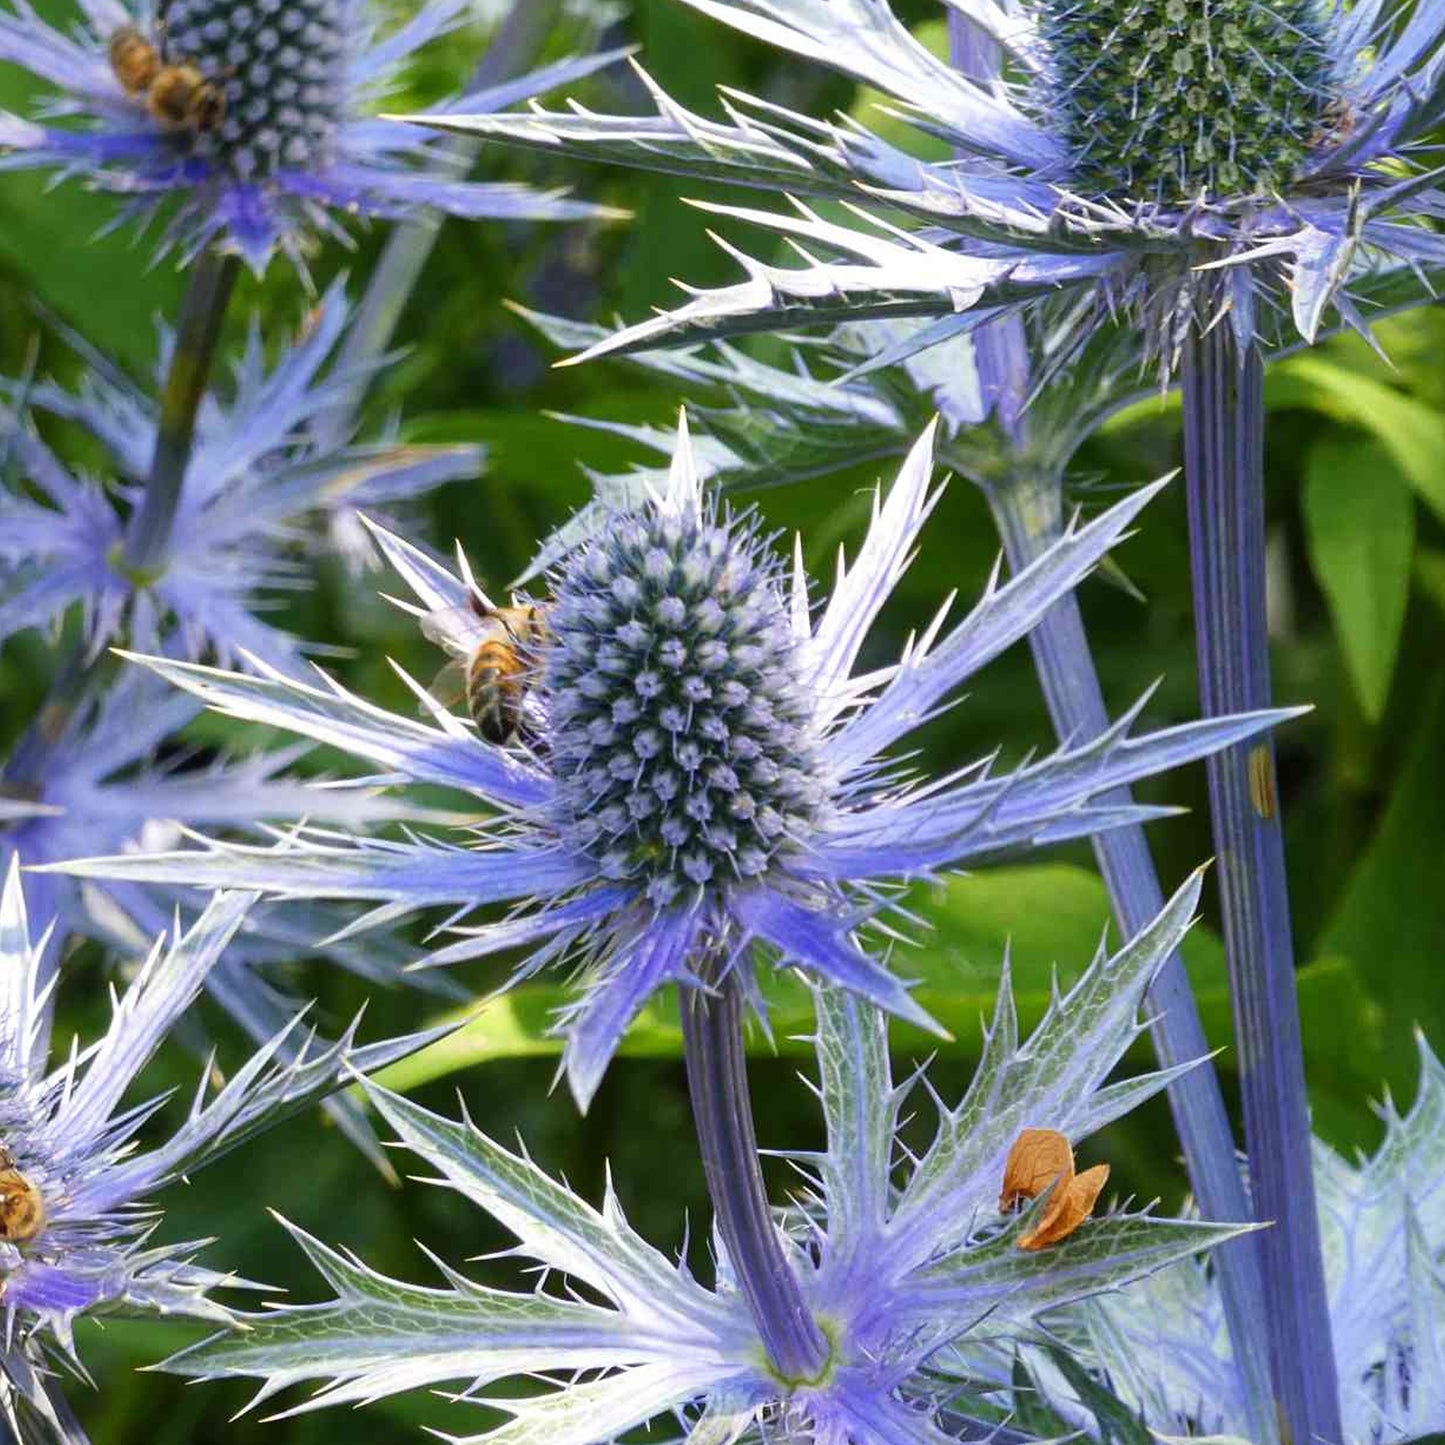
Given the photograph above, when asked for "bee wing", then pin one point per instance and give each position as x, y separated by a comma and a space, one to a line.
456, 629
449, 686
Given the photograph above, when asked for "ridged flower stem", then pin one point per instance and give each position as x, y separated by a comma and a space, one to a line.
1029, 514
518, 43
1224, 468
84, 673
712, 1026
203, 312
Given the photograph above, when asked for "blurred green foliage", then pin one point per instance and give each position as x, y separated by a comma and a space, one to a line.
1356, 476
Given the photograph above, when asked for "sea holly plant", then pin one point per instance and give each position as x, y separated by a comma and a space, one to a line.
77, 1183
1016, 398
1188, 168
903, 1263
700, 780
702, 771
1180, 164
682, 770
254, 120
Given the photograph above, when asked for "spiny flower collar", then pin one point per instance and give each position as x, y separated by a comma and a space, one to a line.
910, 1263
1131, 148
695, 770
77, 1182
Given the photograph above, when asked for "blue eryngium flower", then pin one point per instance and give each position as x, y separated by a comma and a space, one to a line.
254, 482
84, 1243
697, 768
282, 136
1134, 144
1382, 1223
902, 1257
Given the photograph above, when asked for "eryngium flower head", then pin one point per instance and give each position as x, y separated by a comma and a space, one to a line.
256, 480
682, 744
76, 1180
256, 114
695, 766
1135, 147
904, 1259
1162, 1342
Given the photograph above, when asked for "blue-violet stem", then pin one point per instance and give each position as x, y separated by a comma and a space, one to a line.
84, 673
717, 1078
1224, 475
518, 42
203, 312
1029, 514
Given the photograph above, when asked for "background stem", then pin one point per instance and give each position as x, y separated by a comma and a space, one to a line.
712, 1026
1029, 513
1224, 468
203, 311
86, 672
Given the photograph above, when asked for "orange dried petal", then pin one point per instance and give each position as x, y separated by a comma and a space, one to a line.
1038, 1157
1071, 1204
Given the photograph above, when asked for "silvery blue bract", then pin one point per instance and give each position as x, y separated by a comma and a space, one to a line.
67, 1135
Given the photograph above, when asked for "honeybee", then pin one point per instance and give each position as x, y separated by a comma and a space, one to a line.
1338, 123
494, 652
134, 59
22, 1207
177, 95
182, 99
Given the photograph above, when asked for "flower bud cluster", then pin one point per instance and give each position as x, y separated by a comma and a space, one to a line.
1178, 99
677, 731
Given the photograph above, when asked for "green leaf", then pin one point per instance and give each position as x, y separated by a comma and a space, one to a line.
1360, 524
1044, 915
114, 295
1430, 574
1117, 1423
1412, 433
1391, 918
1348, 1039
